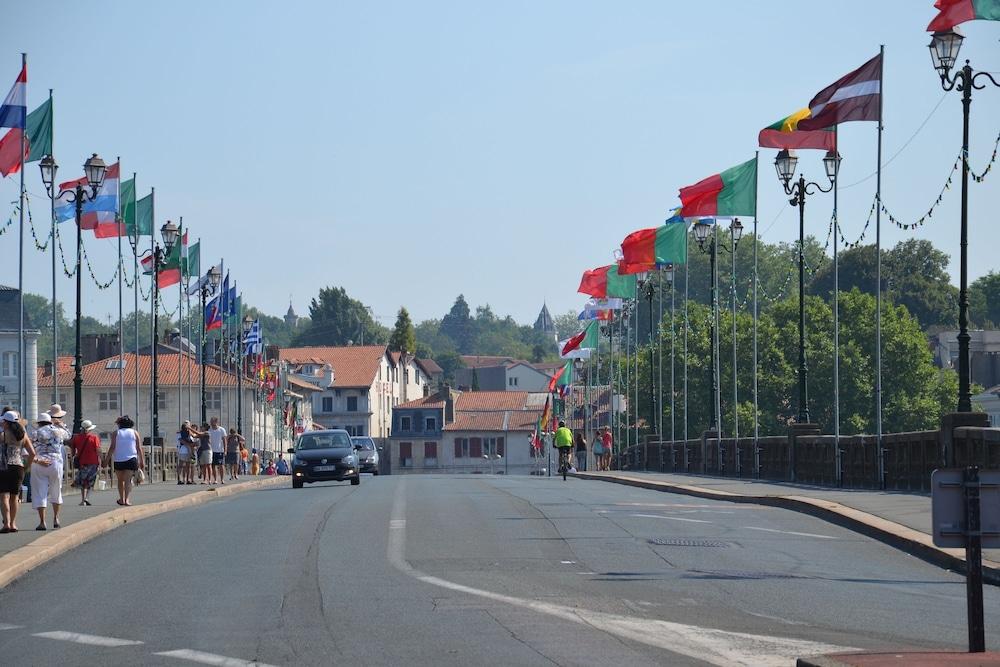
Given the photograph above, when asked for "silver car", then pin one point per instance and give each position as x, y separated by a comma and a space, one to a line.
367, 452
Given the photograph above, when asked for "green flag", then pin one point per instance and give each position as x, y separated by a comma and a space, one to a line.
144, 215
127, 204
38, 127
192, 267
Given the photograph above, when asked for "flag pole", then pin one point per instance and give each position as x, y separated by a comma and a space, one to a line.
22, 371
55, 319
134, 242
836, 322
687, 265
121, 309
878, 279
635, 337
756, 410
181, 354
153, 305
659, 361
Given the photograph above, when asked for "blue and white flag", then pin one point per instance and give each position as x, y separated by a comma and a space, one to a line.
252, 341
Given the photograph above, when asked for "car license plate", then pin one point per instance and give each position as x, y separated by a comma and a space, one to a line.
324, 468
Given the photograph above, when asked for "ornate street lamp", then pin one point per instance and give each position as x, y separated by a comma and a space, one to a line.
247, 325
94, 169
735, 234
701, 232
944, 48
208, 289
785, 164
169, 233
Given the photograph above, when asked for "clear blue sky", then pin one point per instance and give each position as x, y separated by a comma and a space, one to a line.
411, 151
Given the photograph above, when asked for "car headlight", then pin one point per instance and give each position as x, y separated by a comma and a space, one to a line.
349, 459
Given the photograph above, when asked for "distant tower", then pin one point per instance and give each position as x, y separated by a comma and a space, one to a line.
545, 324
291, 319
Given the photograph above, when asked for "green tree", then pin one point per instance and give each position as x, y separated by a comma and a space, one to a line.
403, 338
336, 319
458, 326
566, 324
984, 301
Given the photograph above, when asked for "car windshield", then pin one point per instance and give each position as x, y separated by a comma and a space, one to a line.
324, 440
364, 443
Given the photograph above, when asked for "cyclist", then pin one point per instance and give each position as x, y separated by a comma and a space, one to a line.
564, 443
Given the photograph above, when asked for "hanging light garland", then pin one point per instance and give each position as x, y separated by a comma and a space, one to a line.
979, 178
62, 255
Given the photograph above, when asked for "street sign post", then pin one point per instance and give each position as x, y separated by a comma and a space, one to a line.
965, 511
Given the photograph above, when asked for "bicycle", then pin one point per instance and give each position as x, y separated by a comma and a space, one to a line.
564, 460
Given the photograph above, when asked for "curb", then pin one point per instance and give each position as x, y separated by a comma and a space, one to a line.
45, 548
888, 532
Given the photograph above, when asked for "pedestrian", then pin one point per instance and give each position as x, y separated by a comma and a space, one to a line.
57, 413
16, 453
254, 463
204, 455
607, 447
187, 441
126, 456
244, 456
87, 454
47, 469
282, 465
234, 443
217, 441
270, 469
580, 444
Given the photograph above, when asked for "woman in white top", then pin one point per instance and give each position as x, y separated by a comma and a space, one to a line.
126, 455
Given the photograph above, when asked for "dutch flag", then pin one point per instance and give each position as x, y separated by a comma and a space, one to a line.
15, 107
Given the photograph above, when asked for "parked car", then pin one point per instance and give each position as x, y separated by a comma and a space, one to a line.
367, 452
324, 456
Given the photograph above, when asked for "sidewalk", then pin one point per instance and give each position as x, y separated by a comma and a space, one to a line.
902, 520
102, 503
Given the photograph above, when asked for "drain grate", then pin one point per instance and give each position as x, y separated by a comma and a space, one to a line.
684, 542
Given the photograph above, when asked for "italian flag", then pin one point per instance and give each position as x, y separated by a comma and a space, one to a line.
585, 339
659, 245
606, 282
953, 12
785, 134
563, 378
731, 193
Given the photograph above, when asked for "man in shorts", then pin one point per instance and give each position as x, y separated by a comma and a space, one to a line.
234, 445
217, 442
564, 443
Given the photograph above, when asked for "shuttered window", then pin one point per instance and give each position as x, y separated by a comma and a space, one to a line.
476, 448
405, 454
500, 449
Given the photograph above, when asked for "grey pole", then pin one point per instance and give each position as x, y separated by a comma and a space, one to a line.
717, 366
659, 356
838, 473
134, 241
756, 412
22, 363
121, 309
687, 264
878, 281
736, 396
55, 318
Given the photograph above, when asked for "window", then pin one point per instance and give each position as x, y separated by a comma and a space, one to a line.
494, 446
476, 448
357, 429
405, 454
404, 424
327, 404
511, 382
213, 400
430, 424
107, 400
461, 448
430, 454
161, 400
8, 364
352, 403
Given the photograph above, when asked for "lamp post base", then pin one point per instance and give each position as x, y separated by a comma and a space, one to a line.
795, 431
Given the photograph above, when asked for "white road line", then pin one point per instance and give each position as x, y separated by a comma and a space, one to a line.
210, 658
671, 518
8, 626
791, 532
91, 640
718, 647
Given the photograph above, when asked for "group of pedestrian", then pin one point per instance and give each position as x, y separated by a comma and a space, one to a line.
215, 451
602, 449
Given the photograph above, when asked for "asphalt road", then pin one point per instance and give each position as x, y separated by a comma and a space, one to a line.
460, 570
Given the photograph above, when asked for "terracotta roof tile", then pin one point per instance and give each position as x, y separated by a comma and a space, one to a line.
173, 369
432, 401
353, 366
483, 361
514, 420
491, 400
430, 366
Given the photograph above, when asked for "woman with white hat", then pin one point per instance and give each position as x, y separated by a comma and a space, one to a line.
47, 469
87, 449
16, 453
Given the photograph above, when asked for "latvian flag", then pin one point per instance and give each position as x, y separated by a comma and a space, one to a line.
854, 96
15, 106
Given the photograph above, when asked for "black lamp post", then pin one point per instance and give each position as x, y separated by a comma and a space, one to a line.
169, 232
94, 170
944, 49
701, 231
646, 280
214, 278
785, 164
735, 234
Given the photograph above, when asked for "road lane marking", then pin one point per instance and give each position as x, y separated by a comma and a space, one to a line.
718, 647
671, 518
791, 532
210, 658
90, 640
9, 626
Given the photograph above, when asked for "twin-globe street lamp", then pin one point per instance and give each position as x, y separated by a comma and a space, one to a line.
944, 49
170, 233
206, 290
94, 170
785, 164
247, 325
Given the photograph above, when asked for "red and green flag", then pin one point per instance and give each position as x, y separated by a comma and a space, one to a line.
38, 132
607, 282
170, 270
953, 12
585, 339
731, 193
563, 378
785, 134
656, 246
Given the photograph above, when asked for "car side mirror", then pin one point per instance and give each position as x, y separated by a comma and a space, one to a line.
291, 450
381, 448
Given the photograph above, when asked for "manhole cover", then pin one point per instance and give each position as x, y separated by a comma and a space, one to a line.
683, 542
